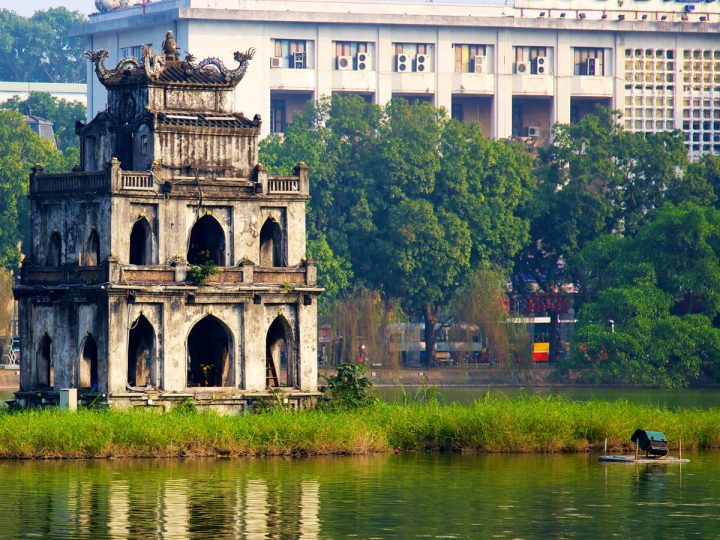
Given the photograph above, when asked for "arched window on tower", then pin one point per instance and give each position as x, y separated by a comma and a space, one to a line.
207, 242
141, 347
209, 359
88, 372
272, 252
141, 242
280, 357
43, 362
92, 250
54, 250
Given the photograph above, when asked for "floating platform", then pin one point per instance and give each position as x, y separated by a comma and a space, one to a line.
641, 459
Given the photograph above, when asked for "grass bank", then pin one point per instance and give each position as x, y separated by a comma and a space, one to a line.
493, 424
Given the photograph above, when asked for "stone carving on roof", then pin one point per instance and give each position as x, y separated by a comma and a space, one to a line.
167, 68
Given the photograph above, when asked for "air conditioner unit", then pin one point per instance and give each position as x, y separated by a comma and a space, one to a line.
590, 66
533, 131
403, 63
299, 60
276, 62
541, 65
363, 61
422, 62
344, 63
523, 68
479, 64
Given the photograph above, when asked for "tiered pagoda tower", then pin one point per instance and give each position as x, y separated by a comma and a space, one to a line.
169, 265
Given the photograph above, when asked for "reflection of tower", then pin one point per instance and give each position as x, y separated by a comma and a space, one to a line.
118, 509
175, 509
255, 508
309, 510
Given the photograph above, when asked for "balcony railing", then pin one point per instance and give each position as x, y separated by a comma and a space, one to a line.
69, 182
290, 184
137, 181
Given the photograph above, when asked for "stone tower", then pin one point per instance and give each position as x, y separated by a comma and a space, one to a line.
169, 265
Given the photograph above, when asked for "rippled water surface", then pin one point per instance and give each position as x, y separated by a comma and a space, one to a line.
397, 496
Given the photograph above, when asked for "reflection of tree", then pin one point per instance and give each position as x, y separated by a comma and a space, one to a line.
527, 496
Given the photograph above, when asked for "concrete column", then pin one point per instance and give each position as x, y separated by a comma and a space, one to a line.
619, 73
254, 333
324, 55
118, 342
174, 355
307, 327
563, 68
384, 65
502, 104
678, 97
444, 68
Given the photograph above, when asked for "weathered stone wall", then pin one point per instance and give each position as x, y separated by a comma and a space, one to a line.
74, 219
67, 321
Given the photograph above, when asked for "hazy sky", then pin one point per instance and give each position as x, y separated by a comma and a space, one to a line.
28, 7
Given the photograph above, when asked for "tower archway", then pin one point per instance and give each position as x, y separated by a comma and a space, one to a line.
280, 357
54, 250
92, 250
271, 244
88, 372
207, 242
43, 362
209, 347
141, 242
141, 353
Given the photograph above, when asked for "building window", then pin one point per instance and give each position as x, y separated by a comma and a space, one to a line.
471, 59
413, 57
352, 56
532, 60
589, 61
134, 51
277, 116
290, 53
649, 90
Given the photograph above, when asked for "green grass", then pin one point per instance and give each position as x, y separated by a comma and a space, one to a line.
493, 424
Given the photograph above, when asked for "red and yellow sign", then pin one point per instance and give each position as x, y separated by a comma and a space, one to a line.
541, 352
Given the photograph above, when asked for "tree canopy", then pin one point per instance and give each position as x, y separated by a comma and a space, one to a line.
60, 112
20, 150
654, 301
40, 48
597, 178
409, 199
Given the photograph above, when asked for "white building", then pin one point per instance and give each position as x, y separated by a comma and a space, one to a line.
67, 91
516, 69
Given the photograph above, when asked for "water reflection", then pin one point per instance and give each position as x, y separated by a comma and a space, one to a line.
407, 496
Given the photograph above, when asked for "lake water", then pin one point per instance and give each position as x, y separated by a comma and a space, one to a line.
394, 496
691, 398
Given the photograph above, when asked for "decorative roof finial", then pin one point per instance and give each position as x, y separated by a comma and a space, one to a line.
169, 47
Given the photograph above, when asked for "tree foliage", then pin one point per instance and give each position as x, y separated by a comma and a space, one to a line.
20, 149
40, 48
654, 299
60, 112
595, 179
409, 198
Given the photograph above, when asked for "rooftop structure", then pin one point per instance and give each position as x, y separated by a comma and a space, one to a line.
516, 68
170, 265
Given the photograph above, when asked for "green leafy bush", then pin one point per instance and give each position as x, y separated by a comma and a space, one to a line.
350, 388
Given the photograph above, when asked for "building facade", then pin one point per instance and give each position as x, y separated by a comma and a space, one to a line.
516, 69
170, 265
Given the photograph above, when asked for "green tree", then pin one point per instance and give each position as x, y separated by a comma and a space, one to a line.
62, 113
20, 149
653, 302
40, 49
409, 198
596, 178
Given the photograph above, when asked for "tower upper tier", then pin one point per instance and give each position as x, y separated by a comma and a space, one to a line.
171, 114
